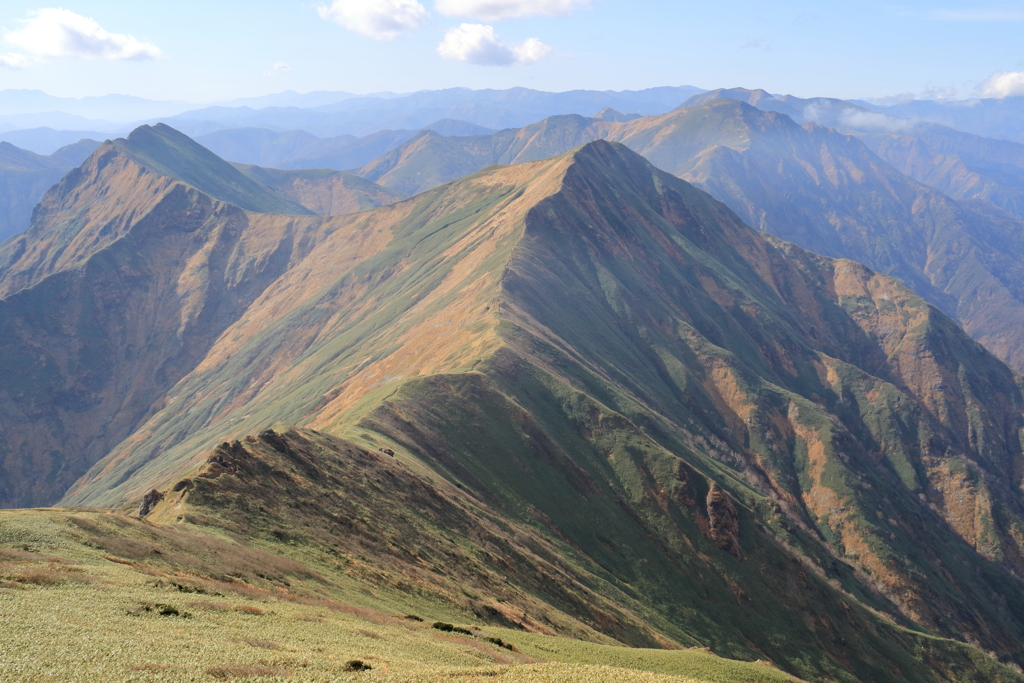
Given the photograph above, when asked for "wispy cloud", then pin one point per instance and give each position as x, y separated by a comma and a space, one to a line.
755, 44
55, 32
378, 19
875, 121
276, 70
478, 44
977, 15
1003, 84
496, 10
13, 60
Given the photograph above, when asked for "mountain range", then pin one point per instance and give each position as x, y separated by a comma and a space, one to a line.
576, 395
733, 378
962, 165
811, 185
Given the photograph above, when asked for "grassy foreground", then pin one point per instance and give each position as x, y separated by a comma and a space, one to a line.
208, 607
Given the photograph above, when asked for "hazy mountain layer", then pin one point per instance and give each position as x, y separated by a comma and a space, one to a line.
990, 117
25, 177
962, 165
45, 141
323, 191
750, 443
494, 109
299, 150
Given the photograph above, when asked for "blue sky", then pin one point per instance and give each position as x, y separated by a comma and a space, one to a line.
213, 50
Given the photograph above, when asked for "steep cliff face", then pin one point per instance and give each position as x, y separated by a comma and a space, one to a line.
123, 282
601, 352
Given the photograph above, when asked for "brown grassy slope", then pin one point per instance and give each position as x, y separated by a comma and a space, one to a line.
403, 291
808, 185
120, 287
592, 322
97, 595
391, 528
903, 425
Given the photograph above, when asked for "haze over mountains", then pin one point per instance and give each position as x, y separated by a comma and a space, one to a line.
689, 379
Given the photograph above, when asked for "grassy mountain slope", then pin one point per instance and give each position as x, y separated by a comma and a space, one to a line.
323, 191
755, 448
964, 166
200, 606
117, 290
168, 153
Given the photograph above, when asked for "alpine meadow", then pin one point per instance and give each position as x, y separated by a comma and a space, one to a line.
461, 380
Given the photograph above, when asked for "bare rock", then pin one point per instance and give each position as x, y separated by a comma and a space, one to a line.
725, 522
149, 502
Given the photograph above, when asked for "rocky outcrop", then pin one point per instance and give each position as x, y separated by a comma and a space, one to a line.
724, 521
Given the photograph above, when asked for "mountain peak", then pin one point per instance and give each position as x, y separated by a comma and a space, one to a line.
609, 114
168, 152
746, 95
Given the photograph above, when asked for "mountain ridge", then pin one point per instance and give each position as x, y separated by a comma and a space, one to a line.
841, 199
694, 350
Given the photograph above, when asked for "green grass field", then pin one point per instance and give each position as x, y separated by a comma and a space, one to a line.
73, 612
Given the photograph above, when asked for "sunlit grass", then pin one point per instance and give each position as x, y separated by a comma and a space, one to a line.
72, 613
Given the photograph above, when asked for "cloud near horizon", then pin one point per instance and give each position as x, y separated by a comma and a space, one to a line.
478, 44
276, 70
378, 19
1003, 84
13, 60
496, 10
56, 32
876, 121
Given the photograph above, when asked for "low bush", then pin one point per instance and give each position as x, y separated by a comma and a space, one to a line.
501, 643
356, 665
442, 626
162, 609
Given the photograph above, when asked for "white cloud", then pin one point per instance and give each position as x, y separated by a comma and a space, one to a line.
55, 32
13, 60
496, 10
278, 69
860, 119
378, 19
478, 44
1003, 84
